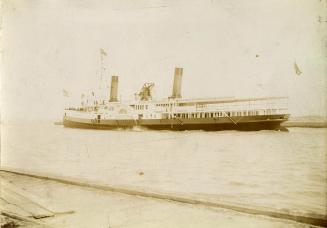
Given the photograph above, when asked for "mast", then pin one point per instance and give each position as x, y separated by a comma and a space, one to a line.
103, 53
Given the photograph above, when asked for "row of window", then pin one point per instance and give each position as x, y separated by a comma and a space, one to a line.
219, 114
162, 105
141, 107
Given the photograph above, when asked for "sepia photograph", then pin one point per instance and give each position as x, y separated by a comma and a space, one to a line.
163, 113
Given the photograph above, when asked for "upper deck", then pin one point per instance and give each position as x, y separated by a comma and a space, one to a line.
218, 106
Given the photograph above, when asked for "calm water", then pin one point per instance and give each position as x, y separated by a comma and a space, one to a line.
266, 169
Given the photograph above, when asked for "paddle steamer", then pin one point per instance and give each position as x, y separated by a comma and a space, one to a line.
177, 113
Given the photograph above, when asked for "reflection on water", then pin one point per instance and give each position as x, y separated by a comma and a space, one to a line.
270, 169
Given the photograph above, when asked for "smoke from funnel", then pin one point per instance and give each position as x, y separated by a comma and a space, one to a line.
177, 87
113, 89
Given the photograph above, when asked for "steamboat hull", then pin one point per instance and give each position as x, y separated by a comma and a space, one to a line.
245, 123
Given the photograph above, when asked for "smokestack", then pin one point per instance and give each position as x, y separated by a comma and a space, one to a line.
114, 89
177, 87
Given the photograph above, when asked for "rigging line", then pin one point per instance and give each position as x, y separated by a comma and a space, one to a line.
230, 118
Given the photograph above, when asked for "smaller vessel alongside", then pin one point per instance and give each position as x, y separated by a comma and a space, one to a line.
177, 113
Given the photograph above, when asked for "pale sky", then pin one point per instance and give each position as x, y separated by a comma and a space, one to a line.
226, 47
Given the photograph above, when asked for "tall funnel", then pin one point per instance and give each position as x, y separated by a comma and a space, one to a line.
114, 89
177, 87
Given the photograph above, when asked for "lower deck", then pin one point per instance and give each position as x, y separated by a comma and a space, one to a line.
245, 123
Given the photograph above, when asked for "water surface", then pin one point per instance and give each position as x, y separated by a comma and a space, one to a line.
284, 171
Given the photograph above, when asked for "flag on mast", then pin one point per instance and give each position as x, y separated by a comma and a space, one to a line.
65, 92
297, 69
103, 52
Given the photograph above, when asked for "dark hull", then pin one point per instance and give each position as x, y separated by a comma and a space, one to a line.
220, 127
248, 123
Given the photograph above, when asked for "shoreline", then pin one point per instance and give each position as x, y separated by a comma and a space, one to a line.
319, 220
305, 124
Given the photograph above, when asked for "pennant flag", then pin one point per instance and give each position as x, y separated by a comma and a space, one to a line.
65, 92
103, 52
297, 69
